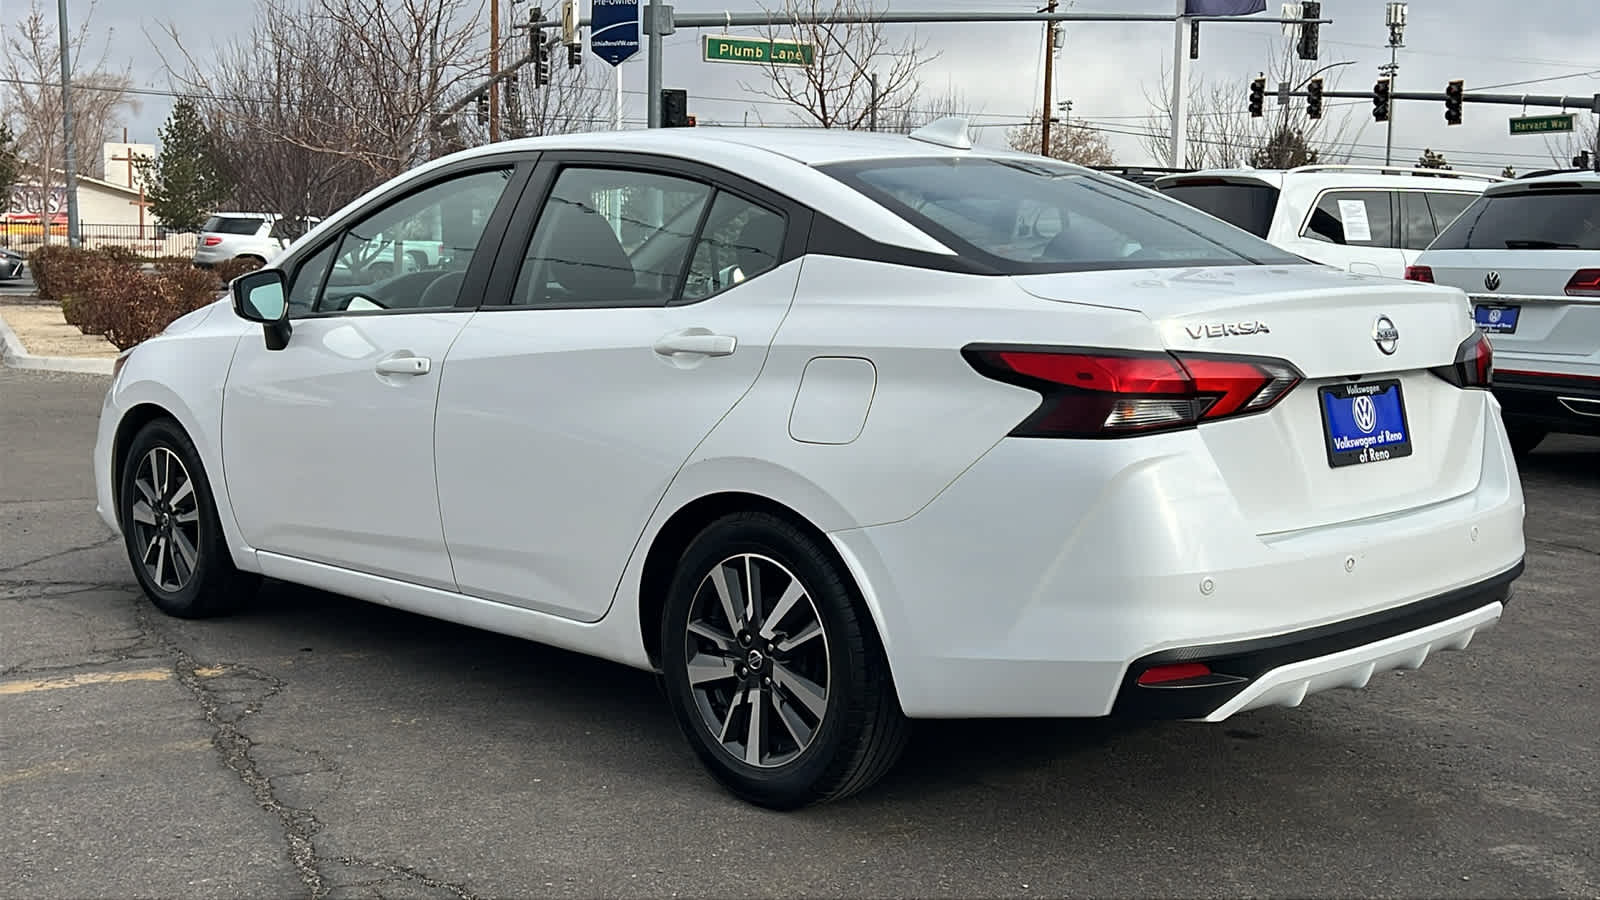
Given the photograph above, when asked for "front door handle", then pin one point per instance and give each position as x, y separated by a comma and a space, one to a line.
405, 365
696, 341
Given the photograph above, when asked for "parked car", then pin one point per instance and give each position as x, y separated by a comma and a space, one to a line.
12, 264
837, 443
1368, 219
1528, 254
252, 236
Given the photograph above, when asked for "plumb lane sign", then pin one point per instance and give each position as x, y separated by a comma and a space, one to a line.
1541, 124
758, 51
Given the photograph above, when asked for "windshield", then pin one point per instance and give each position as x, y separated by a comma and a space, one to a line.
1248, 206
1021, 216
1535, 220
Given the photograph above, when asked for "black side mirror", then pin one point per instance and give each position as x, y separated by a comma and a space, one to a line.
262, 296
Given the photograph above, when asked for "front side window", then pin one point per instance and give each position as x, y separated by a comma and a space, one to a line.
1021, 216
1355, 218
611, 237
414, 253
740, 240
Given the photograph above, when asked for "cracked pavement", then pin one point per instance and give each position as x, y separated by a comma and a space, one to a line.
316, 746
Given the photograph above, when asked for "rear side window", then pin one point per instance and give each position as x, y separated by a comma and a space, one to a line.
1533, 220
1356, 218
232, 225
1247, 206
1021, 216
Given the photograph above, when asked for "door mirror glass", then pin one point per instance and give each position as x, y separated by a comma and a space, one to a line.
259, 296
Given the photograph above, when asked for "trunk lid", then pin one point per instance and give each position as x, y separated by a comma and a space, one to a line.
1520, 300
1299, 465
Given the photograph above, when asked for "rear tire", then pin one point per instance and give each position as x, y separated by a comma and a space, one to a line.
1523, 440
171, 530
800, 670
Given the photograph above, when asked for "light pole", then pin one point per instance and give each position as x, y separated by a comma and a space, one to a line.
70, 169
1395, 18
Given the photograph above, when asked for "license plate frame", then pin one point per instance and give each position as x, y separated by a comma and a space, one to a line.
1366, 445
1492, 318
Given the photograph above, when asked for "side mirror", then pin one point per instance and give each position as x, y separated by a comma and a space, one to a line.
262, 296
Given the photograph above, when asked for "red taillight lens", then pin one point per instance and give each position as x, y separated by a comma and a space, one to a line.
1419, 273
212, 241
1584, 283
1474, 365
1107, 393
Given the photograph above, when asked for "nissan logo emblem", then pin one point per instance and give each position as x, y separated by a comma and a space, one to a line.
1385, 335
1492, 281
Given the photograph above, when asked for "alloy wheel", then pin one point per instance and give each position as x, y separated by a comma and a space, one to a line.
166, 520
758, 666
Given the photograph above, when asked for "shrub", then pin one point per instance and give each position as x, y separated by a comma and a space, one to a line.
233, 268
128, 305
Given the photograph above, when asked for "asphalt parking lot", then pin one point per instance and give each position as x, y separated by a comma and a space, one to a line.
317, 746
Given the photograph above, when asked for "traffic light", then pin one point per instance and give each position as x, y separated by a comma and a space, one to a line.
1258, 96
1452, 102
1308, 47
1314, 99
674, 108
1380, 101
511, 91
574, 55
483, 108
541, 62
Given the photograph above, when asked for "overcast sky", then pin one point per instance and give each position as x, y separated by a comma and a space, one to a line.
1104, 68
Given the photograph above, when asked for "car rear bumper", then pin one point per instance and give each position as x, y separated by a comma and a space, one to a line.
1046, 576
1550, 402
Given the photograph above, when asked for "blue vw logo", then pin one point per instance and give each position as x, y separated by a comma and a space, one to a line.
1366, 414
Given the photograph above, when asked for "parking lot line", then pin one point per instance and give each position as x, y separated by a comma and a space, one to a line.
34, 685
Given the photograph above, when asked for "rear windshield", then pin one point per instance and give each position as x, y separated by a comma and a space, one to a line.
1020, 216
1537, 220
232, 225
1249, 206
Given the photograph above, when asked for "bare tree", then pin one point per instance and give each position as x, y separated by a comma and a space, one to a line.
906, 119
32, 93
1072, 143
837, 89
1585, 136
574, 100
1222, 133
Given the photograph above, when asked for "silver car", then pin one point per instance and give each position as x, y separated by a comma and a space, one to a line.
240, 235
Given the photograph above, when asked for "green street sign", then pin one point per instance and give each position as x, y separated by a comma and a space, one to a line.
1541, 124
757, 51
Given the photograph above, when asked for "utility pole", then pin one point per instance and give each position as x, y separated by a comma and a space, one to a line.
1395, 18
1180, 88
494, 69
872, 114
71, 167
1049, 76
653, 15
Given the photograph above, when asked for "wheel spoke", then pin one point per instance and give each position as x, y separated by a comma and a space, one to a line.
755, 735
188, 516
752, 591
184, 491
161, 467
143, 514
727, 720
725, 593
792, 594
810, 694
806, 634
161, 561
186, 556
704, 668
798, 729
155, 541
722, 639
146, 489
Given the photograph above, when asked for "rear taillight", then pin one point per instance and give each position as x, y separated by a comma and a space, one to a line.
1419, 273
212, 240
1109, 393
1584, 283
1474, 365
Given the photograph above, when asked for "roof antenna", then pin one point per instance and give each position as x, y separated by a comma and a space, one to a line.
950, 131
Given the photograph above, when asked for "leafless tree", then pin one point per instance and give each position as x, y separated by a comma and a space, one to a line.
1585, 136
1222, 133
574, 100
32, 95
925, 108
837, 89
1071, 143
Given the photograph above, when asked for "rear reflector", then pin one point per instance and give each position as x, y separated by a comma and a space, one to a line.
1474, 365
1111, 393
1174, 672
1584, 283
1419, 273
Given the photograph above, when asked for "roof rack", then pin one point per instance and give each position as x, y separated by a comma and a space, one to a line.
1397, 170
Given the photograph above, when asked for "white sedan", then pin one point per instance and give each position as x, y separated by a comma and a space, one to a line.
834, 431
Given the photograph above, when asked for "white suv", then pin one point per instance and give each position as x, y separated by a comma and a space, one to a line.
1368, 219
1528, 254
241, 235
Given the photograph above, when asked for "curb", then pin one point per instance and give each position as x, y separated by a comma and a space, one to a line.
13, 354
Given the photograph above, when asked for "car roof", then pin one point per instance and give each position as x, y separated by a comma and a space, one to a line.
1577, 180
1354, 175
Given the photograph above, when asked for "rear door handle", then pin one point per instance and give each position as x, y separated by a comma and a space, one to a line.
405, 365
696, 341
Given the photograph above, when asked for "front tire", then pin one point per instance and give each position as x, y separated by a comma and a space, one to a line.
774, 670
171, 530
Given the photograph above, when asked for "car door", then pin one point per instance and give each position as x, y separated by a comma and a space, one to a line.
1353, 230
328, 442
625, 326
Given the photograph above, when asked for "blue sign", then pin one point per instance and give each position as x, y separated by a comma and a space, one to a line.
614, 29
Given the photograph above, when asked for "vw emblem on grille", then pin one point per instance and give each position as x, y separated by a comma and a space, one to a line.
1492, 281
1366, 414
1385, 335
